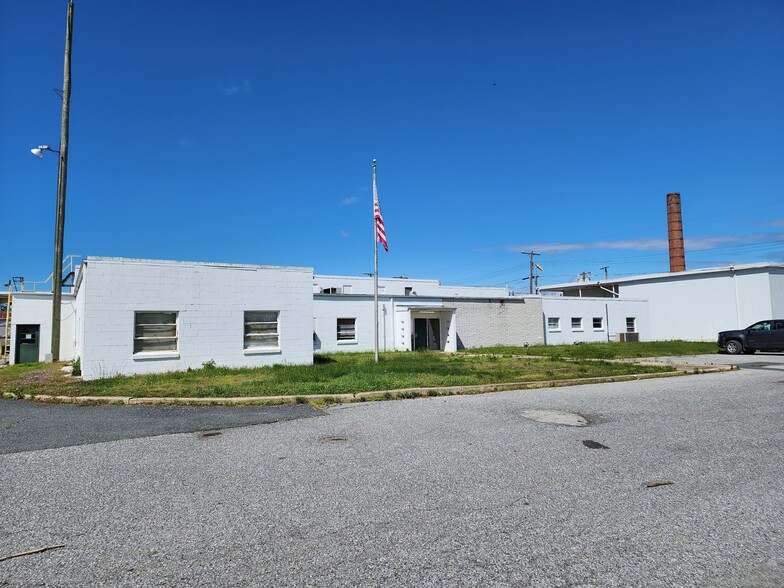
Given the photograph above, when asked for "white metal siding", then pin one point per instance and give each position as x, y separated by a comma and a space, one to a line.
777, 293
697, 307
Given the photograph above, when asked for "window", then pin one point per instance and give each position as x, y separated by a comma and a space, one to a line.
577, 323
261, 329
155, 332
598, 323
347, 330
630, 324
553, 323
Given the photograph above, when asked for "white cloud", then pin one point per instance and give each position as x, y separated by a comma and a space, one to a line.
186, 143
349, 200
344, 234
691, 243
233, 89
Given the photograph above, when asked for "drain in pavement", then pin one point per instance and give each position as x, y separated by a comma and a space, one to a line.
556, 417
210, 433
594, 444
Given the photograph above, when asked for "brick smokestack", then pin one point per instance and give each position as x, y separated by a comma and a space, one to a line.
675, 232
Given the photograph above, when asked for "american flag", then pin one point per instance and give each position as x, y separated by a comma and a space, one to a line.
381, 234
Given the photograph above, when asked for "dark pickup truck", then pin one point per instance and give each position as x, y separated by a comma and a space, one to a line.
761, 336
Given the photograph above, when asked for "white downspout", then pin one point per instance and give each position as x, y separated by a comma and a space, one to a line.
737, 295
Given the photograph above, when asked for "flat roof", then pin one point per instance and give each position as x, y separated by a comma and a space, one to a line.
396, 279
649, 277
243, 266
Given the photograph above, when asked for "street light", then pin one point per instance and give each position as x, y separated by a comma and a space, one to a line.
39, 151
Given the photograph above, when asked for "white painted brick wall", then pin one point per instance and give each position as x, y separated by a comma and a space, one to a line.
211, 300
508, 321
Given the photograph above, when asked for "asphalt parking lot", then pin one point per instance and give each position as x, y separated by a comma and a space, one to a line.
28, 426
687, 491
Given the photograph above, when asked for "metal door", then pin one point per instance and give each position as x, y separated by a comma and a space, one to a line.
420, 334
27, 343
759, 336
427, 334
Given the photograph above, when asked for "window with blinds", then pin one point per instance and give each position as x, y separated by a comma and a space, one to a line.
261, 329
347, 329
155, 331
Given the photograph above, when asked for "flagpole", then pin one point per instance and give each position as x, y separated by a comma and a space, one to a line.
375, 268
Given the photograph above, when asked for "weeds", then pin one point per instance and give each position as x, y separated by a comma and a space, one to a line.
337, 373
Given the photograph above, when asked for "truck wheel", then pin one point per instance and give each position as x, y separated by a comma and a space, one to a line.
734, 347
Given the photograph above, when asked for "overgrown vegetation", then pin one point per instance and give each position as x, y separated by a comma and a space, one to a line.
330, 374
606, 350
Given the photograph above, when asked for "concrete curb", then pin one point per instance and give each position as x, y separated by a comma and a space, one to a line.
403, 393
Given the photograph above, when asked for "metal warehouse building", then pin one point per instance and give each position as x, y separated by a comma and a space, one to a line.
694, 305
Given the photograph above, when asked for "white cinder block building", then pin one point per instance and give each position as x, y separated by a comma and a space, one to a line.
695, 305
130, 316
127, 316
420, 314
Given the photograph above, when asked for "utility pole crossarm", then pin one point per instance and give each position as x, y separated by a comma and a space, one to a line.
530, 255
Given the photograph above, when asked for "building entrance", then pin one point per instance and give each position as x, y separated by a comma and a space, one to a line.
427, 334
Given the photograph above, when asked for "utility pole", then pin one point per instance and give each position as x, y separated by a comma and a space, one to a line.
530, 255
62, 175
605, 268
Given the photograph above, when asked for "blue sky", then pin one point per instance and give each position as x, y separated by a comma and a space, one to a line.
244, 132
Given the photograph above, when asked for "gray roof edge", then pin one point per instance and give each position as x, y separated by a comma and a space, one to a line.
687, 273
335, 277
400, 297
171, 262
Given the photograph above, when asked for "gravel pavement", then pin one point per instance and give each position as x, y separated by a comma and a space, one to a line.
449, 491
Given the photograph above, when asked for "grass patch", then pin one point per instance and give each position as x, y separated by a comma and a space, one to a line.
337, 373
606, 350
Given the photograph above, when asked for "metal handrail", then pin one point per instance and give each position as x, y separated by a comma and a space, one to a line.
69, 265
